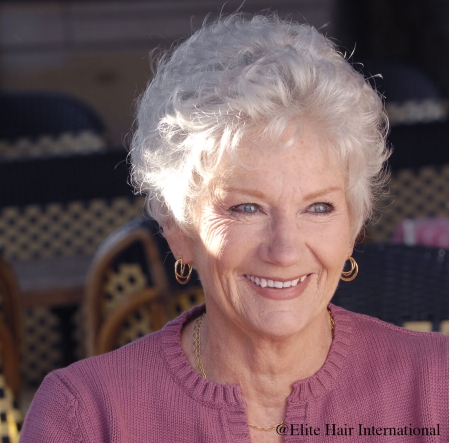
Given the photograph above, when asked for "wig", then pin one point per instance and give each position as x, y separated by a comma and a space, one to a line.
242, 77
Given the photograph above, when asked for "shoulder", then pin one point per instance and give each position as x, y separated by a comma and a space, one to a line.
380, 339
95, 398
125, 366
147, 360
84, 401
88, 382
390, 374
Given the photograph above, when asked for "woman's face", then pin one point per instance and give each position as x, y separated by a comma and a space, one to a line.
270, 243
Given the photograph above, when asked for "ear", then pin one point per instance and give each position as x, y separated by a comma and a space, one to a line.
350, 249
179, 242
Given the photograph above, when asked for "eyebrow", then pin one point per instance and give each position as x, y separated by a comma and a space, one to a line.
321, 192
253, 192
310, 196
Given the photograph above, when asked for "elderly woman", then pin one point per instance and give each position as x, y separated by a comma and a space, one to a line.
261, 150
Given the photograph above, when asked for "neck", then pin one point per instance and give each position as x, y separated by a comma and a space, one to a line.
229, 352
264, 367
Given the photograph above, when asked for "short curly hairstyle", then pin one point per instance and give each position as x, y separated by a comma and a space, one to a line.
230, 79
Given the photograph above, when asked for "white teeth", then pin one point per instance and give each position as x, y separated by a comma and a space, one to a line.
274, 283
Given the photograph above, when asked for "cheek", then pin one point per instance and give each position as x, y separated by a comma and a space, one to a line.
330, 242
225, 243
213, 231
333, 256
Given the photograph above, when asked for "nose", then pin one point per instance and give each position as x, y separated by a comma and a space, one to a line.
284, 242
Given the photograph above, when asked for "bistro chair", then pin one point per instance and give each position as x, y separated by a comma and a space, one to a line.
412, 194
126, 263
146, 312
10, 315
10, 340
38, 124
403, 285
10, 416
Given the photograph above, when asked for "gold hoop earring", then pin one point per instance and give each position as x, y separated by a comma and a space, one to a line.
180, 275
352, 273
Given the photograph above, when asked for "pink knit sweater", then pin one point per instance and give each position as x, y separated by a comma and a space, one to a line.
387, 383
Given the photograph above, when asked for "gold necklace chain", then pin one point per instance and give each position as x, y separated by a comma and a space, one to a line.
332, 323
201, 369
269, 428
197, 346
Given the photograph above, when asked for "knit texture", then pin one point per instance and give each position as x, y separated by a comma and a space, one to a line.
376, 376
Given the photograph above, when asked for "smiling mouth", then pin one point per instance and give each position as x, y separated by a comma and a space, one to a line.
267, 283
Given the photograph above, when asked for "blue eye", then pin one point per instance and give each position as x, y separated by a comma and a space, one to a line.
248, 208
321, 208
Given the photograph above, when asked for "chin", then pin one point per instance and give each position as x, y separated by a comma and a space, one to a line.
280, 324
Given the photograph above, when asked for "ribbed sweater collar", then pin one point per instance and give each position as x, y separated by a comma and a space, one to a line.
217, 395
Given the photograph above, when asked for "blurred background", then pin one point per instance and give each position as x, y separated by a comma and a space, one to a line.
70, 73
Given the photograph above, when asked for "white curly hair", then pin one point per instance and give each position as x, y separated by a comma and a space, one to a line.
230, 79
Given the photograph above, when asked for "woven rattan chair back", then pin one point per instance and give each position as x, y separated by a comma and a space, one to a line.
183, 301
11, 417
10, 303
146, 312
139, 316
10, 339
399, 284
127, 262
412, 194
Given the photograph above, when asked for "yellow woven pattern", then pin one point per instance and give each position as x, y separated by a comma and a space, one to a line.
41, 344
120, 285
426, 326
411, 195
140, 322
186, 300
67, 143
137, 324
62, 230
10, 416
417, 111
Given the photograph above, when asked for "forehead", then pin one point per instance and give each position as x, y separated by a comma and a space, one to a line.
299, 158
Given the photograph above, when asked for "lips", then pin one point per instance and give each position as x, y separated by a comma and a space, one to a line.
269, 283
